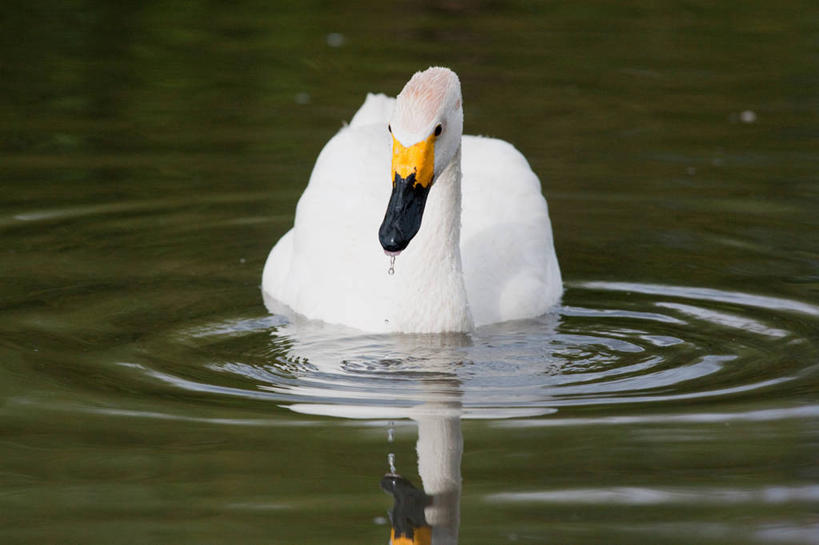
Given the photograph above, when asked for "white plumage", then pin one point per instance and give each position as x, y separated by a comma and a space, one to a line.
484, 251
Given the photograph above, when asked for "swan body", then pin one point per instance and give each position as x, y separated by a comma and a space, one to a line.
483, 250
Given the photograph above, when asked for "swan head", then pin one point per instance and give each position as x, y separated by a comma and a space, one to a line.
426, 128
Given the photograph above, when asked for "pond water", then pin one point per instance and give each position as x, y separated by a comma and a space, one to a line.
150, 156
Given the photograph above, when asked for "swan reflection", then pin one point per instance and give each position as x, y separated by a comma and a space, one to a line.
415, 377
435, 380
431, 515
440, 447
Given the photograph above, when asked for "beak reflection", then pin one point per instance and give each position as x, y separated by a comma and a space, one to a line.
409, 525
429, 516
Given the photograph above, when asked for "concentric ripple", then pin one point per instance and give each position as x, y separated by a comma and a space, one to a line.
610, 344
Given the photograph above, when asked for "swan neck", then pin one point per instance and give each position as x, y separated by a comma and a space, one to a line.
432, 295
449, 220
440, 448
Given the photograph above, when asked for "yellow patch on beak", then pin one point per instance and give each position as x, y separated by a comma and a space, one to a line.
421, 536
418, 159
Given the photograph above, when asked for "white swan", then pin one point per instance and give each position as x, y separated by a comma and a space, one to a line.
481, 249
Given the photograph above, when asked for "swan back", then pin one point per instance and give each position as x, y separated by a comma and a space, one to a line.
376, 110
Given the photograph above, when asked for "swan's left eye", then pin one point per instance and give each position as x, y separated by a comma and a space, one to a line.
389, 128
438, 130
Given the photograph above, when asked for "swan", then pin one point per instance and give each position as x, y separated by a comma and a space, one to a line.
461, 218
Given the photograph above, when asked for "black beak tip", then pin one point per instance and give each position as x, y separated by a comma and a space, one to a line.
404, 213
392, 243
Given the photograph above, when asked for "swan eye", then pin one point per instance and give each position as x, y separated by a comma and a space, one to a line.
389, 128
438, 130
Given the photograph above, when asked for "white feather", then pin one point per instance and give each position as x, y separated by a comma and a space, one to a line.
484, 252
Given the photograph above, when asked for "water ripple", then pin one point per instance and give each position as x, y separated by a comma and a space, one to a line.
707, 294
663, 496
605, 348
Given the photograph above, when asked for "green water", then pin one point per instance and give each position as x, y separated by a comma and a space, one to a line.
151, 155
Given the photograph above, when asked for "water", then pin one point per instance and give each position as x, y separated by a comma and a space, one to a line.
150, 157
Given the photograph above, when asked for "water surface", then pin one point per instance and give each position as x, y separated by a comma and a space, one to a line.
151, 155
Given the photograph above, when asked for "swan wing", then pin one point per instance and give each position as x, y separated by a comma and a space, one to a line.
510, 267
331, 266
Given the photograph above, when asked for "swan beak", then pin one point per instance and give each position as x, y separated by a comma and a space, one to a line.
412, 169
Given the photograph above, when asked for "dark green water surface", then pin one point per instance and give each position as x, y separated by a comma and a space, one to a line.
152, 153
